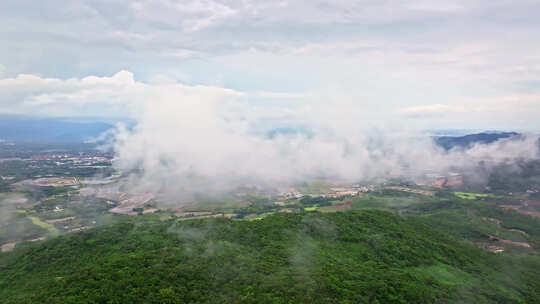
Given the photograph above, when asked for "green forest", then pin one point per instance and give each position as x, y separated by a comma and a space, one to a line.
365, 256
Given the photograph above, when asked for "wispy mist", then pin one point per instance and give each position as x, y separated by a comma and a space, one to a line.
195, 140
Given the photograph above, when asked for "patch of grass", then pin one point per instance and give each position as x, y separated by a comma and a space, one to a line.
312, 208
226, 204
36, 221
334, 208
388, 202
472, 196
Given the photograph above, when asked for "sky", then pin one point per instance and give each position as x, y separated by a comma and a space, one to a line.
381, 64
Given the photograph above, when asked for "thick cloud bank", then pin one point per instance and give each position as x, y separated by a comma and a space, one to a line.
190, 139
201, 139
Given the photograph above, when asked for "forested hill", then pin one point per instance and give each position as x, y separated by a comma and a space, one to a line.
449, 142
351, 257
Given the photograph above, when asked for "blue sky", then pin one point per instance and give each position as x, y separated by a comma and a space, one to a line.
419, 64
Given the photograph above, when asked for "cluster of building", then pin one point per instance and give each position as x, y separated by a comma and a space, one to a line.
74, 159
333, 192
338, 192
292, 193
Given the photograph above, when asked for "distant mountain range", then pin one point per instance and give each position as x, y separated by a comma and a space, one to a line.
449, 142
49, 130
71, 130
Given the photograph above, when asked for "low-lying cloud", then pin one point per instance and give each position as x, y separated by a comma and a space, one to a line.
198, 139
191, 140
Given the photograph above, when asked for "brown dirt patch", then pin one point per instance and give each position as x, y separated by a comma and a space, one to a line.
8, 246
509, 242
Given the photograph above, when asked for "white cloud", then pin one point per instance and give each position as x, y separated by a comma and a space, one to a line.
382, 55
331, 67
497, 104
192, 146
195, 138
438, 6
281, 95
432, 109
118, 95
121, 95
494, 112
191, 16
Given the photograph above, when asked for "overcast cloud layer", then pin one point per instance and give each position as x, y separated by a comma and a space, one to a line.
207, 82
429, 64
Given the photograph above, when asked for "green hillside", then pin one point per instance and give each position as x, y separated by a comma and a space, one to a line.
344, 257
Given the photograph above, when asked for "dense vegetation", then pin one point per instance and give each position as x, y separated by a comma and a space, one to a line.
351, 257
308, 201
